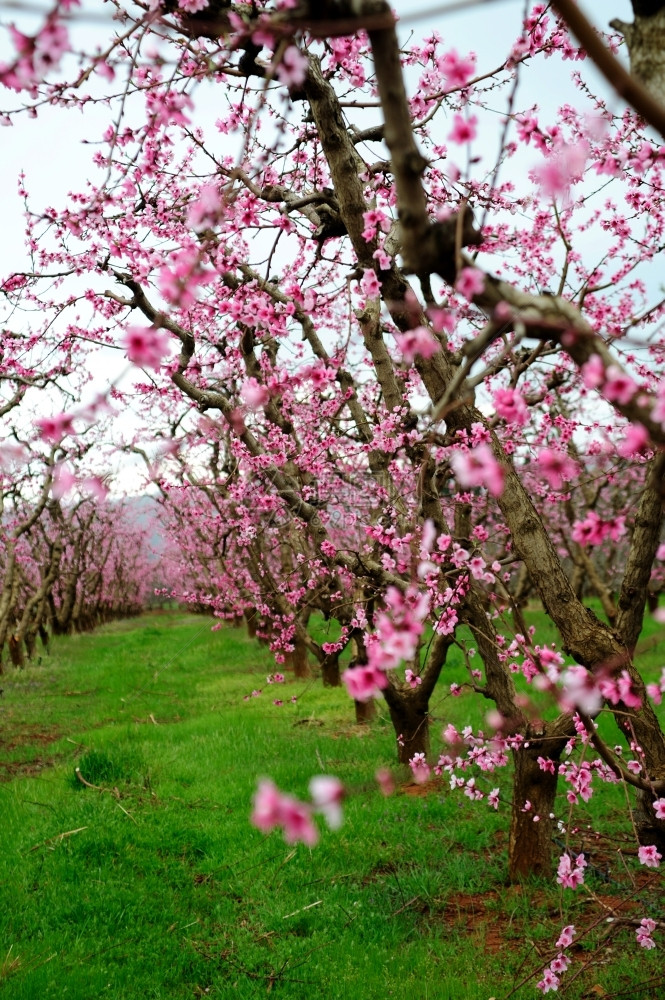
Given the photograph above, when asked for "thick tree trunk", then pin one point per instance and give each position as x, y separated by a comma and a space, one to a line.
330, 670
531, 826
410, 718
365, 711
16, 653
299, 659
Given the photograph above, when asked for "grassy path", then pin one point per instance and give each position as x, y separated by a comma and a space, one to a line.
156, 886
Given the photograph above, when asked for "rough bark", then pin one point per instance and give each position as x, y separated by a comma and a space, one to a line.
330, 670
365, 711
299, 660
530, 840
409, 713
16, 652
643, 548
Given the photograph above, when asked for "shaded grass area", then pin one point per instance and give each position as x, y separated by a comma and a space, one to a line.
153, 884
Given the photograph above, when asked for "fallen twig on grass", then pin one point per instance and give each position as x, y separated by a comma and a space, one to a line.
58, 838
115, 792
406, 905
97, 788
302, 909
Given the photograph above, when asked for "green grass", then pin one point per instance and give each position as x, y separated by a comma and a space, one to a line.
153, 884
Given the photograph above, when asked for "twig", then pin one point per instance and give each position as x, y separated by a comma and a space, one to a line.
411, 901
58, 838
626, 85
127, 813
302, 909
97, 788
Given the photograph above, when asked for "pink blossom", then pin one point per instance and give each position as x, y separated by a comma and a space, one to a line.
418, 341
579, 690
370, 284
563, 166
292, 70
566, 937
327, 793
420, 768
146, 346
375, 219
464, 129
456, 69
192, 6
654, 692
385, 781
253, 394
635, 442
510, 405
53, 429
179, 280
64, 481
620, 689
659, 808
413, 680
493, 798
591, 531
593, 372
364, 683
649, 856
556, 467
560, 963
267, 806
644, 932
50, 45
570, 877
478, 468
206, 211
619, 387
549, 982
274, 809
95, 487
470, 281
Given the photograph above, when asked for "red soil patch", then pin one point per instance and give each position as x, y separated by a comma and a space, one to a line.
26, 736
29, 735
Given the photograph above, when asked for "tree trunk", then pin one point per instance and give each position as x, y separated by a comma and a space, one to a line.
299, 659
530, 843
330, 670
30, 643
365, 711
250, 621
16, 653
45, 637
410, 718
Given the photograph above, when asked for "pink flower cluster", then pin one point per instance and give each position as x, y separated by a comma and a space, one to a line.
593, 530
36, 55
570, 876
395, 638
417, 342
644, 932
146, 346
478, 468
272, 809
551, 980
649, 856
